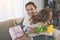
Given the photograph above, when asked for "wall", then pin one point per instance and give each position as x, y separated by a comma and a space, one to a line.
11, 9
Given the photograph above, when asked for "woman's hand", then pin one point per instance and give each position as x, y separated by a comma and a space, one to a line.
30, 30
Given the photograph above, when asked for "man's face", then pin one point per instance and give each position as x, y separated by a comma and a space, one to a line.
31, 10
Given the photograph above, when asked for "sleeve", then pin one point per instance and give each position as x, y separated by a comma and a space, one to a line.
26, 23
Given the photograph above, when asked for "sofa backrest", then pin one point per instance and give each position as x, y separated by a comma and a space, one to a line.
4, 27
18, 20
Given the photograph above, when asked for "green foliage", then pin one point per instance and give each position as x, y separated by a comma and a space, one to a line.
38, 30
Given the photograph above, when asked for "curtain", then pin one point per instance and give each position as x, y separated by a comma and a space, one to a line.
11, 9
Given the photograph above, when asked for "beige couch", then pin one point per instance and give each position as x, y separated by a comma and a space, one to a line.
4, 27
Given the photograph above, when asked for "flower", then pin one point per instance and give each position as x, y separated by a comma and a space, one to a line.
46, 28
50, 29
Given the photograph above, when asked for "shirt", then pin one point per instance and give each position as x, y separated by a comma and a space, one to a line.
26, 21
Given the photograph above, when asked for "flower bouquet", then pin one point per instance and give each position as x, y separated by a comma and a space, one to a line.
48, 29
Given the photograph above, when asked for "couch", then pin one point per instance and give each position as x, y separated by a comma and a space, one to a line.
5, 25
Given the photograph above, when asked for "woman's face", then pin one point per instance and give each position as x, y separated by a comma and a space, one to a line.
31, 10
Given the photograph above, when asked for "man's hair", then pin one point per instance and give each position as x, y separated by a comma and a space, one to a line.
30, 3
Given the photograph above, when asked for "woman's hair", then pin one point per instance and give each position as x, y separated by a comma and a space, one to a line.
43, 16
30, 3
35, 19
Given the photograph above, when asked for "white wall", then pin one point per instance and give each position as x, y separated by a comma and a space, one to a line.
15, 8
11, 9
3, 10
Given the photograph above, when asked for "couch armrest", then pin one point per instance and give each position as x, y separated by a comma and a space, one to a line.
4, 26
